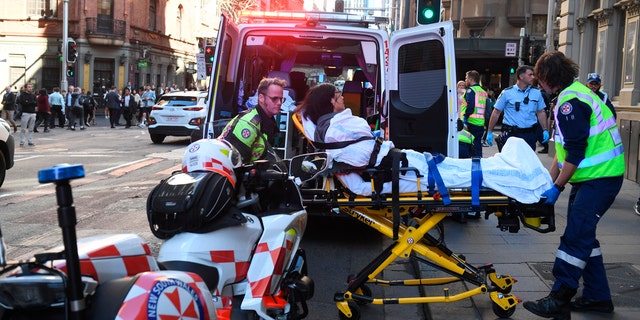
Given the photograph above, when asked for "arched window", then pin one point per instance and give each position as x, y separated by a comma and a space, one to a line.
152, 15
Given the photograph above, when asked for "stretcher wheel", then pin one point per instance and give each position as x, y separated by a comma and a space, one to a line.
355, 311
362, 290
505, 290
501, 313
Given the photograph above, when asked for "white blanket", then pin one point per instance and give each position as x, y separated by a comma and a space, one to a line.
515, 172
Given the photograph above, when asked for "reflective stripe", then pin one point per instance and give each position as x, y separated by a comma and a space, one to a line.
595, 252
571, 259
600, 158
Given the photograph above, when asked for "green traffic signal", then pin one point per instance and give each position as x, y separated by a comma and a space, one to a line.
428, 11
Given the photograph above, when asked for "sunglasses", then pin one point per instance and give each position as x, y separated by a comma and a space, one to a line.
276, 99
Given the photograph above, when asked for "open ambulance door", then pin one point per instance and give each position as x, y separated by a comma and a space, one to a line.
421, 95
220, 102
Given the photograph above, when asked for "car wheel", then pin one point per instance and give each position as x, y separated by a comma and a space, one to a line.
157, 138
3, 168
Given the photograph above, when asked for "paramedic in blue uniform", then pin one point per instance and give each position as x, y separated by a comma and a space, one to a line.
523, 108
589, 156
473, 105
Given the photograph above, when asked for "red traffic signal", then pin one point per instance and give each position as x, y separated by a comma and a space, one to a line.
72, 51
209, 53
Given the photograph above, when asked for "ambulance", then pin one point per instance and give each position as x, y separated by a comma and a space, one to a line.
402, 82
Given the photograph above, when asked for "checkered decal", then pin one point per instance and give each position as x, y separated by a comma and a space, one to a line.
268, 264
108, 257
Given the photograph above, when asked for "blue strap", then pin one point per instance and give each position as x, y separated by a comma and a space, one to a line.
434, 175
476, 182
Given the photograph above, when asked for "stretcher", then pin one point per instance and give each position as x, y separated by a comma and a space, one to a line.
413, 221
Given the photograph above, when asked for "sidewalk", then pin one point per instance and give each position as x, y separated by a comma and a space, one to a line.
528, 257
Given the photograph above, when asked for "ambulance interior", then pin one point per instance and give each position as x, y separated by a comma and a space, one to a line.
304, 60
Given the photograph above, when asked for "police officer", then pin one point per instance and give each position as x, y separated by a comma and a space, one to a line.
473, 106
589, 155
241, 131
523, 108
595, 83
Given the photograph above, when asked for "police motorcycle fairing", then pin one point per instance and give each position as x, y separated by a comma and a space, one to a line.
254, 268
101, 277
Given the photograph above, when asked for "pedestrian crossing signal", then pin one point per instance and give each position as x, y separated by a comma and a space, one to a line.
208, 54
70, 72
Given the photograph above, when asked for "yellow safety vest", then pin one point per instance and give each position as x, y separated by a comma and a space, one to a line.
465, 136
477, 117
604, 156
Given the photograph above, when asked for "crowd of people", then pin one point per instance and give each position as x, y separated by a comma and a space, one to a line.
76, 108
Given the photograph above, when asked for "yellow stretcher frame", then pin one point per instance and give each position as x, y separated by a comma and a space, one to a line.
411, 240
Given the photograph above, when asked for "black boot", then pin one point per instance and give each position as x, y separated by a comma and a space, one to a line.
556, 305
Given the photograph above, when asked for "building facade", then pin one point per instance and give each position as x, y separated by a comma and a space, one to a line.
119, 42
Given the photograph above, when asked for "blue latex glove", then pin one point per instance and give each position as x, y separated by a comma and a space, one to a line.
490, 138
464, 120
545, 136
552, 195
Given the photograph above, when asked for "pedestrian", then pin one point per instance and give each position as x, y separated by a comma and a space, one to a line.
523, 108
76, 113
128, 107
595, 83
112, 102
473, 108
43, 111
89, 105
148, 100
9, 107
29, 102
68, 105
243, 136
461, 87
56, 102
589, 156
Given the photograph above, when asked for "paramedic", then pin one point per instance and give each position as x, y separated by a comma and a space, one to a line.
589, 155
248, 130
473, 107
523, 107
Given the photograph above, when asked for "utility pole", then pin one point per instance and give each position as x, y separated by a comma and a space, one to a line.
550, 12
65, 39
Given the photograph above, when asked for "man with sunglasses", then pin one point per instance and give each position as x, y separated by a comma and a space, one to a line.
523, 108
249, 130
595, 83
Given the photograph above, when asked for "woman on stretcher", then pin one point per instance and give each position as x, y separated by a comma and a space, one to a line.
515, 172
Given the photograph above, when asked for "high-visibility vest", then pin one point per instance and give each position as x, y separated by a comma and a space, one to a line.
477, 117
604, 156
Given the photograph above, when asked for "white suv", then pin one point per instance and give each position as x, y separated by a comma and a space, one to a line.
6, 149
177, 114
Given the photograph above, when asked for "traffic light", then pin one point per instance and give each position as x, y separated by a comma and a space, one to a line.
526, 52
70, 71
209, 68
72, 51
209, 54
428, 11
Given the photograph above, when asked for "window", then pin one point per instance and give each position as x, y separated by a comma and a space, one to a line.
42, 8
152, 15
179, 21
630, 51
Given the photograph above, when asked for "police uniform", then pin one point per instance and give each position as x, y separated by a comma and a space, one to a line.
586, 135
472, 113
520, 112
248, 132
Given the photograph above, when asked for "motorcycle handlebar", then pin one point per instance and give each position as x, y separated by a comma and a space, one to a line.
273, 175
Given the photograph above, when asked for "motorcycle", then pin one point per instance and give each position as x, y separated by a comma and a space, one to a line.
246, 249
102, 277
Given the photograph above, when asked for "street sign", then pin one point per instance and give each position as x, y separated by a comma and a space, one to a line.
510, 49
202, 67
143, 64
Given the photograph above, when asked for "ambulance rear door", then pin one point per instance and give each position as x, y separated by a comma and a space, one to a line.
421, 93
220, 105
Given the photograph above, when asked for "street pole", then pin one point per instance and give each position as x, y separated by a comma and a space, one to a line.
550, 11
522, 34
65, 39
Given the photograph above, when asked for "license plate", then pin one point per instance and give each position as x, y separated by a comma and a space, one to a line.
172, 118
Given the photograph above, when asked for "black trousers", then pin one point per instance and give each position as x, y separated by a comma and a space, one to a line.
56, 112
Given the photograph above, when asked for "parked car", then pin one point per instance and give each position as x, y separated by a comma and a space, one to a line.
7, 146
177, 114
